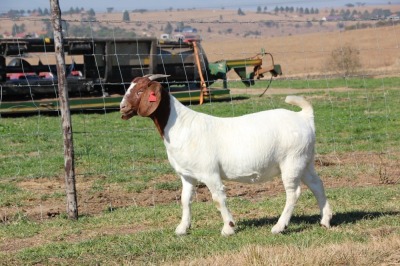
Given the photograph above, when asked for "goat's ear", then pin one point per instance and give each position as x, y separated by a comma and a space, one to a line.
150, 99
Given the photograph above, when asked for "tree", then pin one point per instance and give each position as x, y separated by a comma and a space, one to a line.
110, 9
168, 29
15, 29
366, 15
48, 26
18, 29
179, 26
240, 12
125, 16
259, 9
347, 14
91, 13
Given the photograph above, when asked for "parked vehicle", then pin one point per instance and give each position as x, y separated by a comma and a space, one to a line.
99, 71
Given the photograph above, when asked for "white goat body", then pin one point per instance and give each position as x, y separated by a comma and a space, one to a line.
248, 148
251, 148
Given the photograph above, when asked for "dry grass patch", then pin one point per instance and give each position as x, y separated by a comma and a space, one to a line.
380, 251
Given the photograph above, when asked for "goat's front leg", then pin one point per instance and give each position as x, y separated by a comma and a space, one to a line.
219, 197
186, 198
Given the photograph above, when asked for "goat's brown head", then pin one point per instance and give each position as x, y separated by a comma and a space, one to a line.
142, 97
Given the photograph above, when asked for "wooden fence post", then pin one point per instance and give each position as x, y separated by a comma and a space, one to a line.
69, 167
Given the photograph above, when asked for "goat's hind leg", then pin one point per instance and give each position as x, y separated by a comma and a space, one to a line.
186, 198
291, 171
314, 183
292, 189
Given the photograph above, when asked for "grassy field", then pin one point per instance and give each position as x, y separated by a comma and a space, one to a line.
351, 115
365, 229
129, 196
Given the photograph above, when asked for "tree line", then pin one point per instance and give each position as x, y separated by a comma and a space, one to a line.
281, 9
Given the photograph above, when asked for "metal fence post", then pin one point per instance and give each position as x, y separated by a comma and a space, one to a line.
69, 167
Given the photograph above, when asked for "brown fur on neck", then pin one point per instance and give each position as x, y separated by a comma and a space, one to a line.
161, 115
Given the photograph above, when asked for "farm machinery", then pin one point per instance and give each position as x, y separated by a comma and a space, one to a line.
99, 71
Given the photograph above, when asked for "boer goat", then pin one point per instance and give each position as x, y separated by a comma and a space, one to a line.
251, 148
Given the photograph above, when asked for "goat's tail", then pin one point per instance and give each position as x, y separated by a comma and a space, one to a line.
306, 107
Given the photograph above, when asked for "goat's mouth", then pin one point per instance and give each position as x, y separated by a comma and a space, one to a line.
127, 115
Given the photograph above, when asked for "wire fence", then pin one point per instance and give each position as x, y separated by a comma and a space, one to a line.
349, 75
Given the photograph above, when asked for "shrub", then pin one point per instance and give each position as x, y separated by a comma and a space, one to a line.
344, 60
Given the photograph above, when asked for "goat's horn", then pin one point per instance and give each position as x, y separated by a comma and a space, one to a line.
156, 76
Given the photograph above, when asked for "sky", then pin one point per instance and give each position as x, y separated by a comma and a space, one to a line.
120, 5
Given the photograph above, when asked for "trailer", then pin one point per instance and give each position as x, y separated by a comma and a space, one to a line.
99, 70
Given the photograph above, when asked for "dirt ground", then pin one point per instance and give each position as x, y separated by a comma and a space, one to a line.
354, 170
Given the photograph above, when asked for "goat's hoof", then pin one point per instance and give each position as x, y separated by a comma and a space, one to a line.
228, 231
277, 229
180, 233
326, 221
325, 224
181, 230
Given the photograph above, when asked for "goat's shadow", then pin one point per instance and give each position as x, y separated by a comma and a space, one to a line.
341, 218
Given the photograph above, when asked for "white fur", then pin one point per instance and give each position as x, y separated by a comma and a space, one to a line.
129, 90
251, 148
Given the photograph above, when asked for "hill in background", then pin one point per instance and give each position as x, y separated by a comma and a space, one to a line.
301, 41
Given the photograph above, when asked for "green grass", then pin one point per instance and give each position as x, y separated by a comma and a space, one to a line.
12, 195
365, 119
130, 155
146, 235
325, 83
